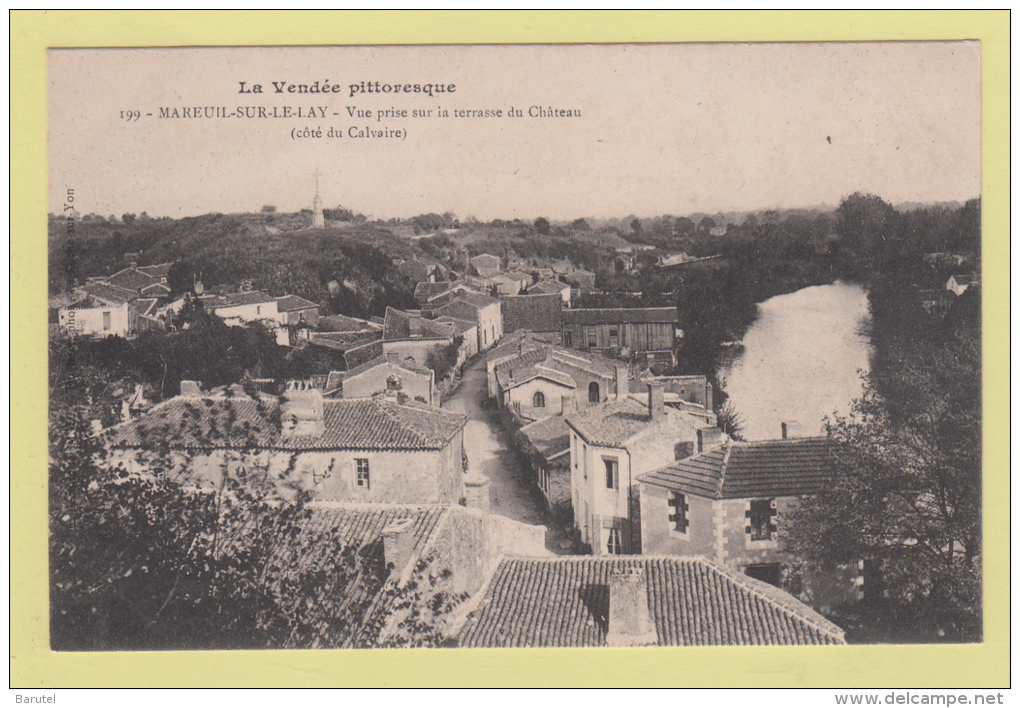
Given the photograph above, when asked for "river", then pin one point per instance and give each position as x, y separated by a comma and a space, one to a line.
800, 360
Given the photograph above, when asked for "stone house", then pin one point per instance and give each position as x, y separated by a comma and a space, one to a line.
294, 310
729, 504
483, 310
535, 381
364, 450
408, 335
611, 446
959, 282
584, 280
486, 265
384, 375
546, 445
541, 313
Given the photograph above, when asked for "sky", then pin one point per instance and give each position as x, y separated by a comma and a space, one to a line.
661, 129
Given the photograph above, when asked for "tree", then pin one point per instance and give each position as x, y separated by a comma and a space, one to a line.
181, 279
542, 225
906, 498
128, 218
139, 561
580, 225
635, 226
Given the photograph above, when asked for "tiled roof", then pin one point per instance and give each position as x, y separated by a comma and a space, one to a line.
513, 342
289, 303
426, 291
536, 358
620, 315
349, 424
486, 260
110, 293
549, 435
144, 306
343, 341
564, 602
461, 326
342, 323
538, 313
477, 299
159, 289
156, 271
613, 423
398, 326
366, 351
547, 287
528, 372
379, 361
131, 279
255, 297
742, 470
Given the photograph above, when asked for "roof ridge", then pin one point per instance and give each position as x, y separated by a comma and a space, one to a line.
723, 467
805, 438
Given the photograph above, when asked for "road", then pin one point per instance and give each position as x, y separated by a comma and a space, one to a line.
489, 451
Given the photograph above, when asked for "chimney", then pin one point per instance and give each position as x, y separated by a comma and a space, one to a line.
569, 405
622, 382
192, 389
398, 544
301, 412
791, 429
656, 396
476, 491
709, 438
630, 624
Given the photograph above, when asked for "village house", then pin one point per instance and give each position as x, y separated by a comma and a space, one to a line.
510, 283
538, 313
429, 293
581, 601
729, 503
648, 333
411, 336
583, 280
468, 332
484, 311
611, 445
533, 383
691, 388
486, 265
545, 443
549, 287
294, 310
384, 375
364, 450
512, 345
672, 259
99, 309
959, 282
148, 281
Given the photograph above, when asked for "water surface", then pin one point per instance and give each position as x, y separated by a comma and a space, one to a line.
801, 360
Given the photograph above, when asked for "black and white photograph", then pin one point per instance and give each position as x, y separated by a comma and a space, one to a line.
514, 346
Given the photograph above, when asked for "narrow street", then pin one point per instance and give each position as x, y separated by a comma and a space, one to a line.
489, 451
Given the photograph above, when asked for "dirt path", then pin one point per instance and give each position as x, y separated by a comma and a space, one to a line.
488, 450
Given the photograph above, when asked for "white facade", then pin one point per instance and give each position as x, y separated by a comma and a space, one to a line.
95, 321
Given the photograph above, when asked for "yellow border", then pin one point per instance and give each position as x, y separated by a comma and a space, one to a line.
32, 665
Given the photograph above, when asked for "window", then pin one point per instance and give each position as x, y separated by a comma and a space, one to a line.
678, 511
538, 400
612, 473
258, 309
614, 542
568, 338
761, 525
593, 392
614, 337
107, 324
591, 337
361, 476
